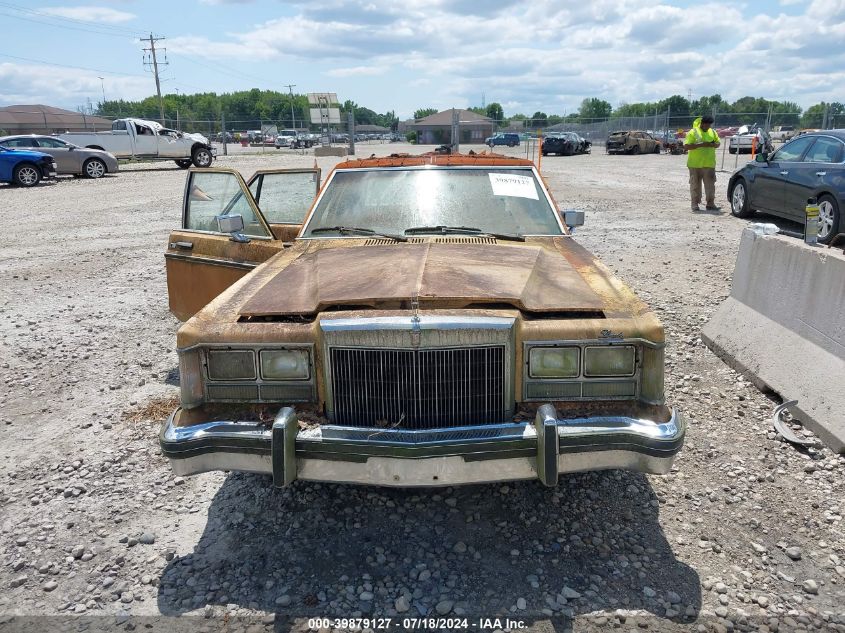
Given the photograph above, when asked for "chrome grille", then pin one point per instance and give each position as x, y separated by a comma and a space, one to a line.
418, 388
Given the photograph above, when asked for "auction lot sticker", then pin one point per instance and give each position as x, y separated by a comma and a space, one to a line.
513, 185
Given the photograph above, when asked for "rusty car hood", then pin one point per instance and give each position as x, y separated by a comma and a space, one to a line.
533, 277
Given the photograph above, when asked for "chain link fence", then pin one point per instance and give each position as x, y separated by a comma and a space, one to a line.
262, 134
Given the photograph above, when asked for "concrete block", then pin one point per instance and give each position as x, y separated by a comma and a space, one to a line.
784, 326
330, 151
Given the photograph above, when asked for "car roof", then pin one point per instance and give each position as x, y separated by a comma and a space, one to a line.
840, 134
441, 160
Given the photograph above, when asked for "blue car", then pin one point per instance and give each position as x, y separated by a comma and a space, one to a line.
24, 167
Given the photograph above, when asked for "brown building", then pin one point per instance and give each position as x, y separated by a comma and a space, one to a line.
41, 119
437, 128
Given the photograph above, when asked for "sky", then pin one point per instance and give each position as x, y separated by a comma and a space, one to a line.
542, 55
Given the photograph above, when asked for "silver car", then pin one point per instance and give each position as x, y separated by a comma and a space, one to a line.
70, 158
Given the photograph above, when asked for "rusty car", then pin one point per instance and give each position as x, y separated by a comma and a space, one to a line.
632, 142
413, 321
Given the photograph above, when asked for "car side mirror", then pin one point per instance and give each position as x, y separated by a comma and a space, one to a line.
234, 225
573, 217
762, 157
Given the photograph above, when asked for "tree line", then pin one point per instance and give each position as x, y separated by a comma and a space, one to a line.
248, 109
745, 110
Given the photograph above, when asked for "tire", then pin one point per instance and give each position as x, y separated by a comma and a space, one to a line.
94, 168
26, 175
829, 218
657, 149
732, 150
739, 199
183, 163
635, 149
201, 157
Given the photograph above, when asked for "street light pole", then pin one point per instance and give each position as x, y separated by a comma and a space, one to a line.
103, 87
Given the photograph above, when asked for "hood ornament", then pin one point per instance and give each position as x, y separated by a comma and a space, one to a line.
416, 322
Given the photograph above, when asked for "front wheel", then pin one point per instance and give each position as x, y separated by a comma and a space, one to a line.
26, 175
828, 218
183, 163
94, 168
202, 157
740, 206
635, 149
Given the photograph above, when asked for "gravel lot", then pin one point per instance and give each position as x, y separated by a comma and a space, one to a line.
746, 533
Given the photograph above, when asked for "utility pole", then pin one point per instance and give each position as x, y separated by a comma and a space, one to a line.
152, 51
290, 88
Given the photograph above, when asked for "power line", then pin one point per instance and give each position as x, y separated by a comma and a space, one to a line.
48, 16
64, 26
46, 63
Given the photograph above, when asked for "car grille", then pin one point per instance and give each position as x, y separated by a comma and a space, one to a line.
418, 388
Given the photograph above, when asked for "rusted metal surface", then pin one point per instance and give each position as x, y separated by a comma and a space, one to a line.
532, 277
552, 287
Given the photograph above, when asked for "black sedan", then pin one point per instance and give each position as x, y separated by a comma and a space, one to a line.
565, 144
780, 183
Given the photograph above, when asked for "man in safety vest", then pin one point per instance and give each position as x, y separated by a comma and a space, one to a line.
701, 143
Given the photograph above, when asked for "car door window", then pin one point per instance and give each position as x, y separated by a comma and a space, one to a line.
285, 197
824, 150
213, 193
793, 150
52, 143
20, 142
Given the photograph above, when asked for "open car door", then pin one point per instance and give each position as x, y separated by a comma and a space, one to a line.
203, 259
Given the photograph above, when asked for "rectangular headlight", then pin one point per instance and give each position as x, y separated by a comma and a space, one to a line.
616, 360
285, 364
553, 362
231, 364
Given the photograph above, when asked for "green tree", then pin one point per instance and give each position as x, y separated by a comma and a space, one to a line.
814, 115
595, 108
495, 112
539, 120
424, 112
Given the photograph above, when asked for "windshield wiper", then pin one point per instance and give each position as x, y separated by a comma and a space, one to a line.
357, 230
466, 230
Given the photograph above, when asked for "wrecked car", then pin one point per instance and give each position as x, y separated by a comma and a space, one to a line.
565, 144
421, 321
632, 142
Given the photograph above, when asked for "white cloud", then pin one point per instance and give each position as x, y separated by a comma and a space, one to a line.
90, 14
356, 71
33, 83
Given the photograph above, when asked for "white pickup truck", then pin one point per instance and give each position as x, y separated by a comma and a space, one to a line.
148, 140
783, 133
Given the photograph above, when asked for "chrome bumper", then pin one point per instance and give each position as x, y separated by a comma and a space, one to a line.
437, 457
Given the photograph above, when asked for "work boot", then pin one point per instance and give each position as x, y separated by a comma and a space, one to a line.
695, 207
713, 207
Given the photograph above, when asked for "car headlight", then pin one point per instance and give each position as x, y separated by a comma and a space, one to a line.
554, 362
609, 361
231, 365
285, 364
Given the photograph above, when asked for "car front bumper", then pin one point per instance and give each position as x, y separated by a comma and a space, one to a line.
437, 457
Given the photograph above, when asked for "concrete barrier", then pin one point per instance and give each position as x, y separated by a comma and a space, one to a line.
784, 326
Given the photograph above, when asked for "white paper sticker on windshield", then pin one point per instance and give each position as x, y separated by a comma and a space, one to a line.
513, 185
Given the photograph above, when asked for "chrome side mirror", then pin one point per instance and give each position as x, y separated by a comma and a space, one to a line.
234, 225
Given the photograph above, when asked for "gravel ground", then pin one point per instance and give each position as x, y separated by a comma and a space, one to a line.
745, 533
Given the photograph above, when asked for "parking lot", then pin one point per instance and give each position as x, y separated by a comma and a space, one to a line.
745, 532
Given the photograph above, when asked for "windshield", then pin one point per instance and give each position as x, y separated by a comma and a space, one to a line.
390, 201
